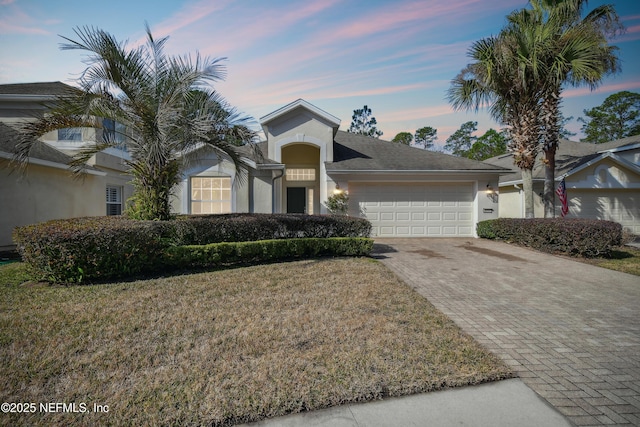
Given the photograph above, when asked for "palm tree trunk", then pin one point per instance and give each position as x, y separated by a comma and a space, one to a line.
549, 182
550, 141
527, 187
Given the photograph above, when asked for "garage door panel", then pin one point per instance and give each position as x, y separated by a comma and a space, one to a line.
405, 210
622, 206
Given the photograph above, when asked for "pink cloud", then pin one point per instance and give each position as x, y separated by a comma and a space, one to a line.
606, 88
416, 113
15, 21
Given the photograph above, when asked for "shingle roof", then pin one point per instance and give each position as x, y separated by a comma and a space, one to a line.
40, 88
9, 137
353, 152
570, 155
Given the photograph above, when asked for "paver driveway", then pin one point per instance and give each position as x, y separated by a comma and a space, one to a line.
571, 331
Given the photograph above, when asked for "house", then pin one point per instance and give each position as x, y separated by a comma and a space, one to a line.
403, 191
602, 182
48, 190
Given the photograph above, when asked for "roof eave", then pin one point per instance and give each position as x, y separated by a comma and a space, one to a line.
414, 171
49, 163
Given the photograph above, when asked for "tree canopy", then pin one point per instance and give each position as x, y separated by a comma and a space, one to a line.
363, 123
491, 144
165, 105
617, 117
461, 141
426, 136
403, 138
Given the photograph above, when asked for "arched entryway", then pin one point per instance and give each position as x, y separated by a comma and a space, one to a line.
301, 183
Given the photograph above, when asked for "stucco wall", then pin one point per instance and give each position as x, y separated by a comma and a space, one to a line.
46, 193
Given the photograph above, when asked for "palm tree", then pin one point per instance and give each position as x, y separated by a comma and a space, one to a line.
565, 48
495, 79
164, 103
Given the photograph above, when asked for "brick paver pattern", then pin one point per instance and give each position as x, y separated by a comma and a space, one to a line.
571, 331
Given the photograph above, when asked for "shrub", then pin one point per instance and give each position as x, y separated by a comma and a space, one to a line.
228, 253
80, 249
99, 248
205, 229
338, 203
581, 237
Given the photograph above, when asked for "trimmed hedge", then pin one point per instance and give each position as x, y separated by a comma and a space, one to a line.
74, 250
99, 248
205, 229
228, 253
577, 237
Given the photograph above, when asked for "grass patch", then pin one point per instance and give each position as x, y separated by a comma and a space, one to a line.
625, 259
13, 274
230, 346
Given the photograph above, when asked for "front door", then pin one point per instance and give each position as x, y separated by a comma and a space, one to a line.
296, 199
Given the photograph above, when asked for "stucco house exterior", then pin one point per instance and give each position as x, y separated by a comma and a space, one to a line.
602, 182
48, 190
403, 191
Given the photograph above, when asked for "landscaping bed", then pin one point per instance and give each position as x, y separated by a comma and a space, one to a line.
103, 248
227, 347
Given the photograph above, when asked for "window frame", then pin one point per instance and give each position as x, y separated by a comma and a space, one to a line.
206, 206
114, 203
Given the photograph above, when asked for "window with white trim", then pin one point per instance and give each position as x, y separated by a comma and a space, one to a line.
301, 174
70, 134
114, 200
210, 195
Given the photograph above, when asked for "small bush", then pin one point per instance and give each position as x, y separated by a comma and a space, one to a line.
228, 253
99, 248
578, 237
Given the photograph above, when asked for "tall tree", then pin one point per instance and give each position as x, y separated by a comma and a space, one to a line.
564, 132
617, 117
491, 144
496, 79
363, 123
403, 138
564, 48
426, 136
164, 103
460, 142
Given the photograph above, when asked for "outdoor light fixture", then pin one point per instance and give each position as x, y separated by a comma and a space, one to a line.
492, 194
338, 190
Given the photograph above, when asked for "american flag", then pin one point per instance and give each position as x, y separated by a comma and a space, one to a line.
561, 191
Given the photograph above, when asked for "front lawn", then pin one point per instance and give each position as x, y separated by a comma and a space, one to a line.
228, 346
625, 259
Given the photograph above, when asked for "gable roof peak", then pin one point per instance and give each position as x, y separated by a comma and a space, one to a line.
300, 103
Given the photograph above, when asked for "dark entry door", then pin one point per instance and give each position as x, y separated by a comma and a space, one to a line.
296, 199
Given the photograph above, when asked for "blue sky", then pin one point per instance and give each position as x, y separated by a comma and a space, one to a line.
396, 56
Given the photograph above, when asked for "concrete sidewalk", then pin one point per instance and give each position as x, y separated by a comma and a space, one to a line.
504, 403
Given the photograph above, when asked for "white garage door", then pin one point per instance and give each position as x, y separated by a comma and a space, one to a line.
415, 209
622, 206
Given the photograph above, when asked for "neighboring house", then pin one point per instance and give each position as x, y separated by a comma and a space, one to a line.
602, 181
403, 191
48, 190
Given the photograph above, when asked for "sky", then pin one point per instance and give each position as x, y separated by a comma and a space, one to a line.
395, 56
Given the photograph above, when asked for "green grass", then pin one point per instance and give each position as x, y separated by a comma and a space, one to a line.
226, 347
625, 259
